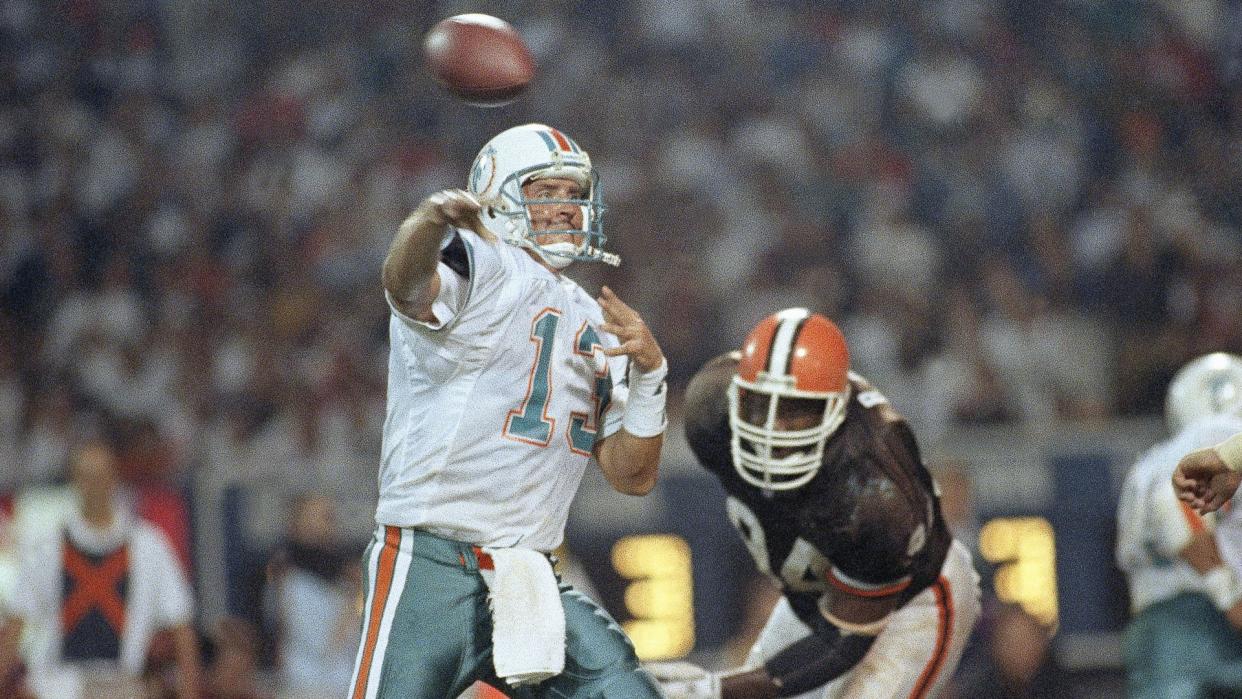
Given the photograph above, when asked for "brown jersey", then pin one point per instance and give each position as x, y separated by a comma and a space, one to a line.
870, 513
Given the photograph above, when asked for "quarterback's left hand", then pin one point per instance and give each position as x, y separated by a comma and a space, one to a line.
636, 339
681, 680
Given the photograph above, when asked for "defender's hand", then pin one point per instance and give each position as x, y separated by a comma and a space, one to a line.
458, 208
636, 339
1204, 481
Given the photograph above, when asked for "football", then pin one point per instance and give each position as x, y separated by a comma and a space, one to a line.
479, 58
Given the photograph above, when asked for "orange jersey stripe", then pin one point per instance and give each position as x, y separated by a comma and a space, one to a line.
886, 591
944, 605
1193, 520
486, 691
484, 559
384, 573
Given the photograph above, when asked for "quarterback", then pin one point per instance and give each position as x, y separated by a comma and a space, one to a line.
505, 380
827, 489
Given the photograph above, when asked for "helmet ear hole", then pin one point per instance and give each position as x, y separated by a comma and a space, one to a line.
1206, 386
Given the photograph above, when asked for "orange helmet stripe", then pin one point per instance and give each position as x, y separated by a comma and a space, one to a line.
561, 140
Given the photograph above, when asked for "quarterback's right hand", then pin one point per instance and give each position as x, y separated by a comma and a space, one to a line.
1204, 481
458, 208
682, 680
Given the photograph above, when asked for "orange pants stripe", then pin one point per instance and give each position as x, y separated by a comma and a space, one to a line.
383, 585
944, 605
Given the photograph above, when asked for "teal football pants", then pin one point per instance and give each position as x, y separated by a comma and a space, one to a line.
1177, 648
427, 631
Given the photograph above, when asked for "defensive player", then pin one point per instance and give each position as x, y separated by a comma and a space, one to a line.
1186, 601
826, 487
505, 380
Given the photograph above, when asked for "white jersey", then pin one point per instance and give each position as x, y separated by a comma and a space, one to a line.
158, 596
1153, 525
494, 409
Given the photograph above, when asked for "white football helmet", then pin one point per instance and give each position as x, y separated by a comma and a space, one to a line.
793, 355
529, 152
1209, 385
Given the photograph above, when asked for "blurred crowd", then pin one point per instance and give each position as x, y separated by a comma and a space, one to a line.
1017, 211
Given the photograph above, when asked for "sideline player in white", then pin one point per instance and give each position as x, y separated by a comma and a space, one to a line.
1186, 601
1207, 478
94, 592
505, 380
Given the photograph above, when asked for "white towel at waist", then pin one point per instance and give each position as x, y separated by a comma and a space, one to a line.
528, 620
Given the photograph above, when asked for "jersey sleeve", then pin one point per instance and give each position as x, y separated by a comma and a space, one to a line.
37, 586
1131, 550
469, 269
706, 413
447, 305
873, 544
175, 602
1172, 522
1165, 524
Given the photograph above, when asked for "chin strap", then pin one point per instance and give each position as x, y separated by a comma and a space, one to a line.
553, 261
607, 258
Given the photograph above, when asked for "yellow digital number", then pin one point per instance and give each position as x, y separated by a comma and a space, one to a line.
660, 596
1024, 549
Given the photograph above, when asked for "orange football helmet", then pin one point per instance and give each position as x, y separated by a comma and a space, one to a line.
788, 396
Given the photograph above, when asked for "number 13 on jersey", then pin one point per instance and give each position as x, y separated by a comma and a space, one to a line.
530, 421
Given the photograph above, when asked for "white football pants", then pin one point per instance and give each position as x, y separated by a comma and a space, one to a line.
915, 653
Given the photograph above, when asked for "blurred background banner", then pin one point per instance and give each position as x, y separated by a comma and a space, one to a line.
1024, 216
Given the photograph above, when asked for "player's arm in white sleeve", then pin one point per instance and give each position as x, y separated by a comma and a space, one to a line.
36, 593
409, 273
175, 608
1179, 531
1131, 551
630, 456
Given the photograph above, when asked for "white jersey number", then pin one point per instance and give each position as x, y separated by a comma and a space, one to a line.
803, 570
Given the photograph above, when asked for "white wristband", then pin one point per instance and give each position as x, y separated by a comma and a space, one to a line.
1223, 587
645, 415
1230, 452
